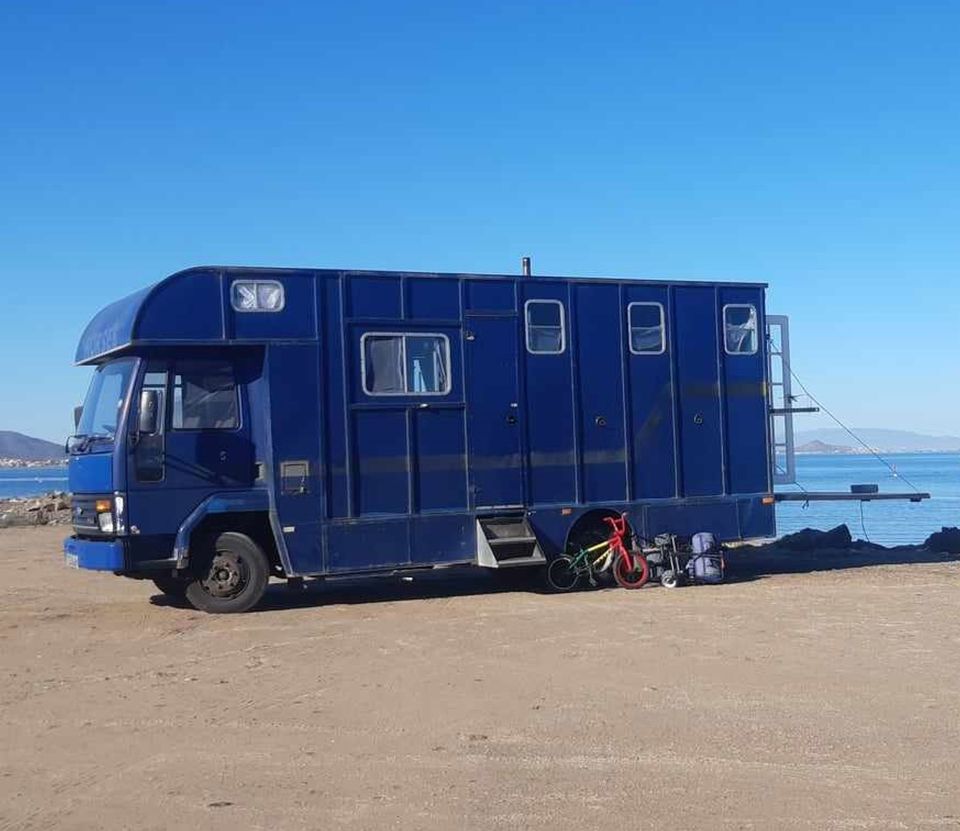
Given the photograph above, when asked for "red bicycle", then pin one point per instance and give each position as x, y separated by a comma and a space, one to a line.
630, 568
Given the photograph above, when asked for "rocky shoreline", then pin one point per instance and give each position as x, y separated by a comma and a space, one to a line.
31, 463
50, 509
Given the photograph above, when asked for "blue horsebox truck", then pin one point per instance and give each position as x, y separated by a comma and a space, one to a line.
244, 423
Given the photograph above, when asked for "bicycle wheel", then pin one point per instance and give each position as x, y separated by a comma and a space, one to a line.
630, 570
561, 574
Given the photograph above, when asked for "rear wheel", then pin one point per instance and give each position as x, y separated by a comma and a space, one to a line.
630, 570
561, 574
233, 578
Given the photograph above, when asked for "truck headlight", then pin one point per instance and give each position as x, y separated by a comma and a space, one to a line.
104, 509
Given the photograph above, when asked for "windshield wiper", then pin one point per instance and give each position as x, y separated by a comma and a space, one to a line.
84, 440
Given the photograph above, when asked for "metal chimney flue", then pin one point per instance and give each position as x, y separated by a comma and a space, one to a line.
525, 266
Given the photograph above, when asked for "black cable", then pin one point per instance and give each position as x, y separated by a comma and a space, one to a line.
846, 429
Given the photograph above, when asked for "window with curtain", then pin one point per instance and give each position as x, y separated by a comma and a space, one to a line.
647, 329
546, 330
740, 329
405, 364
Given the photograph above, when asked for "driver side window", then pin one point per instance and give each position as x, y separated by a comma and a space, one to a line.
204, 396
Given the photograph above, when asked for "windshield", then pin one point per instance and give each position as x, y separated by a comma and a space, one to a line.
101, 408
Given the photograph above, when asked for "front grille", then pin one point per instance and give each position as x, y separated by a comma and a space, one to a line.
84, 514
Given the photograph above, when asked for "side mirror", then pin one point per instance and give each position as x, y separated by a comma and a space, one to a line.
149, 421
77, 412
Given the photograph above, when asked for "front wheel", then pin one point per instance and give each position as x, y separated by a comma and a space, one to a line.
630, 570
234, 578
171, 586
561, 574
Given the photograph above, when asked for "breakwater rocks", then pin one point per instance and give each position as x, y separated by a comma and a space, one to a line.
50, 509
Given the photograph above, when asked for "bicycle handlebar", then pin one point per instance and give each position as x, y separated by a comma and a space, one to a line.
618, 525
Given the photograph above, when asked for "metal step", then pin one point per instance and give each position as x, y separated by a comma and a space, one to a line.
496, 541
507, 540
538, 560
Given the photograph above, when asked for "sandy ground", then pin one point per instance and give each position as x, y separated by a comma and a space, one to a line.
826, 699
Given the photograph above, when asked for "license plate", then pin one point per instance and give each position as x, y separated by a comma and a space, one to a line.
71, 559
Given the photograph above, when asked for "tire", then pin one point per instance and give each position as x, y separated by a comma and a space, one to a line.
561, 576
233, 577
631, 570
171, 586
669, 579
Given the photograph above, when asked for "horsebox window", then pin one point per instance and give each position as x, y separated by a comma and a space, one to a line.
257, 296
647, 330
397, 363
740, 329
546, 330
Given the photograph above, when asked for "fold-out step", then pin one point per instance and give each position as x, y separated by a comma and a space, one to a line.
506, 541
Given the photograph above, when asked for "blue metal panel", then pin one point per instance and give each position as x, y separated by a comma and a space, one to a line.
374, 296
333, 408
111, 328
697, 343
446, 538
91, 472
548, 399
380, 460
651, 404
491, 295
366, 545
96, 555
185, 307
294, 374
598, 345
297, 319
745, 404
438, 460
432, 298
687, 518
756, 519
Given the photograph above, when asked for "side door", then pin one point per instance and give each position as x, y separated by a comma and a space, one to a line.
699, 422
493, 411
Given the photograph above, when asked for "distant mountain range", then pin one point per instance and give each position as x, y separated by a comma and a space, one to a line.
835, 440
18, 446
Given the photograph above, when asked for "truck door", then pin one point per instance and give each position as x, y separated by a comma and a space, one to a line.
203, 446
493, 413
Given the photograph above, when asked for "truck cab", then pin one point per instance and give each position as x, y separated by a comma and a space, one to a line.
165, 470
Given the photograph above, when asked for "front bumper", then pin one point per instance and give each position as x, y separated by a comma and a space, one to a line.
96, 555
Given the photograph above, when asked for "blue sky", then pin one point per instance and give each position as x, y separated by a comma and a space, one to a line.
810, 146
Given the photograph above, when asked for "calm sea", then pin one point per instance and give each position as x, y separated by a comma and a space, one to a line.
888, 523
32, 481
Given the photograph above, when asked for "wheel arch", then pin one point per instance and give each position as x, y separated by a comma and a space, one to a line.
244, 512
589, 527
